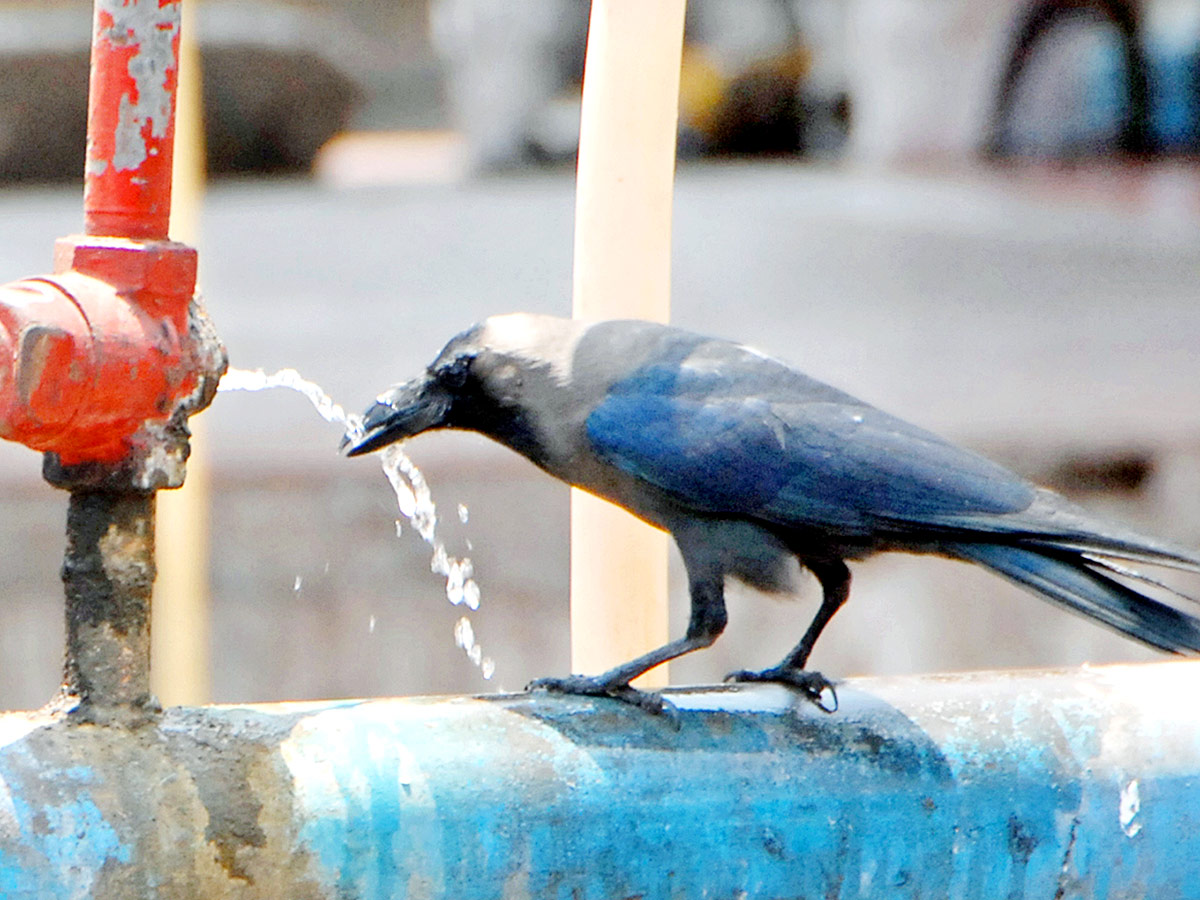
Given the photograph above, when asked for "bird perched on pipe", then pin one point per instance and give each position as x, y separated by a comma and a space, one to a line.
748, 463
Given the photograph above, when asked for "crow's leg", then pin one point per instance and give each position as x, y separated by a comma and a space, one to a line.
707, 622
834, 578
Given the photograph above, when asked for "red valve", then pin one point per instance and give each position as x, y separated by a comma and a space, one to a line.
97, 350
102, 362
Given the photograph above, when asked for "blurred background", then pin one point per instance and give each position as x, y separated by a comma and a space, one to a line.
980, 216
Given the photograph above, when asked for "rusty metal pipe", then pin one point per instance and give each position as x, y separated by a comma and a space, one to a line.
108, 574
103, 361
1065, 784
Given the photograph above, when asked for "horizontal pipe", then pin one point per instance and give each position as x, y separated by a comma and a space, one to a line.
1082, 783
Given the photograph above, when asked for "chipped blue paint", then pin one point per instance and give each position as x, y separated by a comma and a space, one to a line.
354, 791
62, 832
1002, 785
771, 800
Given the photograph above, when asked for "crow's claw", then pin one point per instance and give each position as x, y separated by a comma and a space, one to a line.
813, 685
593, 687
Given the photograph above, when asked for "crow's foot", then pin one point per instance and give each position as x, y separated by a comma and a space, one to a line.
594, 687
813, 685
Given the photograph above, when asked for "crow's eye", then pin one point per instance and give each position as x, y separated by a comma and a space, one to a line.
454, 373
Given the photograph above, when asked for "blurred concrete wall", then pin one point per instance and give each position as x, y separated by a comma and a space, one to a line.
922, 76
1048, 322
280, 79
925, 77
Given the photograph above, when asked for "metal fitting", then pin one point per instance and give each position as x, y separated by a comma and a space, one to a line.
102, 363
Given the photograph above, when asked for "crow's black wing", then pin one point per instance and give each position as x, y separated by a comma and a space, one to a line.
746, 435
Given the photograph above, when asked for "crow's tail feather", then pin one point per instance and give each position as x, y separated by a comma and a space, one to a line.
1069, 578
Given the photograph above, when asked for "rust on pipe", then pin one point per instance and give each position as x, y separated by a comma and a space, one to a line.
108, 574
103, 361
1065, 784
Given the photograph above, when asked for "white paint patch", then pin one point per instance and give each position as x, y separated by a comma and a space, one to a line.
756, 698
10, 825
152, 28
1128, 807
15, 726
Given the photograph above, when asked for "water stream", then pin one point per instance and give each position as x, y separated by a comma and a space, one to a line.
413, 498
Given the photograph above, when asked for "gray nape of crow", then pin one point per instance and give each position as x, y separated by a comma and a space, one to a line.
747, 462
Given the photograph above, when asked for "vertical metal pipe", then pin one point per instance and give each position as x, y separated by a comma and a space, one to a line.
131, 118
108, 570
108, 573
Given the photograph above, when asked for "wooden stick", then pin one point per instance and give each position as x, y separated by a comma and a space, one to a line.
623, 270
179, 633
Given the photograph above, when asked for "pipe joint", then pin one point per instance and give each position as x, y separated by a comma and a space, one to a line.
104, 361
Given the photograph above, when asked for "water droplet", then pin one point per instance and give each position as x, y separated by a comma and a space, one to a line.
454, 585
464, 634
463, 513
371, 625
416, 504
299, 583
405, 498
470, 594
439, 564
487, 668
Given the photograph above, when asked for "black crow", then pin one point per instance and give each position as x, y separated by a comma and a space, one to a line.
748, 463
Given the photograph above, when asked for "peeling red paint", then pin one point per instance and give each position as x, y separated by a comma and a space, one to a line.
131, 108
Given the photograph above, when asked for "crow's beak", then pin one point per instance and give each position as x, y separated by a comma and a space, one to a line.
398, 413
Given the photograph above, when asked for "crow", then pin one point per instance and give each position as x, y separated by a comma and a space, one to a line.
748, 463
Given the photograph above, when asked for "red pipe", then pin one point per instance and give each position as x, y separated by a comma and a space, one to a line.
102, 361
131, 118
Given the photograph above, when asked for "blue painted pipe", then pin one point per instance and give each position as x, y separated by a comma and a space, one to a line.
1073, 784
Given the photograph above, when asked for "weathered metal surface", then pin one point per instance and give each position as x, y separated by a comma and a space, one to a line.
102, 362
156, 361
1081, 784
108, 574
131, 118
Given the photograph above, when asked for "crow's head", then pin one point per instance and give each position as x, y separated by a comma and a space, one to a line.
482, 380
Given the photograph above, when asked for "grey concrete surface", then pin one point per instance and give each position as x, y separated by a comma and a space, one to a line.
1035, 318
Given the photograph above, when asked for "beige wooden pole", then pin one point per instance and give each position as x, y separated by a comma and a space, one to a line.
179, 628
623, 270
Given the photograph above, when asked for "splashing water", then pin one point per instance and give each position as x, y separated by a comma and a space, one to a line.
416, 504
412, 496
258, 380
